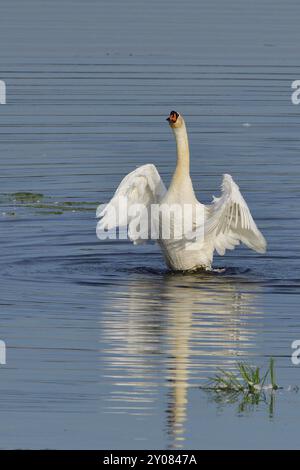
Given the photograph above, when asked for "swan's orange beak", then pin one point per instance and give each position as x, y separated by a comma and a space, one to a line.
172, 117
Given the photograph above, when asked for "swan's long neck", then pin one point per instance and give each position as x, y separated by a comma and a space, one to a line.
181, 177
183, 152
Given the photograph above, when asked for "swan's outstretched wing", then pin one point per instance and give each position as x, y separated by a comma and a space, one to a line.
229, 221
143, 187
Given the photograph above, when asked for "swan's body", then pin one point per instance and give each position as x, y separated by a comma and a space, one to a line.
226, 222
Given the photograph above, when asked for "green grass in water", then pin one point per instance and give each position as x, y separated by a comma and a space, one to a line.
27, 197
248, 386
250, 379
46, 206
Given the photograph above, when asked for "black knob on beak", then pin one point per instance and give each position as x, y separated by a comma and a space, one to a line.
173, 117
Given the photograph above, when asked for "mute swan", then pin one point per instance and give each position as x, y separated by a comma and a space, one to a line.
226, 222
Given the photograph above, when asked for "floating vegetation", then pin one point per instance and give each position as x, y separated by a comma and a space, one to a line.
66, 206
248, 387
49, 212
249, 380
41, 205
25, 197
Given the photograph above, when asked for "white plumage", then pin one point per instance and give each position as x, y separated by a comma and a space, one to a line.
142, 186
226, 222
229, 221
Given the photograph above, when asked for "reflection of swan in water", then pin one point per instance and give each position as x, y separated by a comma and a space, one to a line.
173, 330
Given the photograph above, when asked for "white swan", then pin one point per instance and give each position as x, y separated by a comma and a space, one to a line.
226, 222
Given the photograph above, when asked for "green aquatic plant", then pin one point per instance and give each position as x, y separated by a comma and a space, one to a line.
248, 386
26, 197
272, 374
250, 379
43, 205
64, 207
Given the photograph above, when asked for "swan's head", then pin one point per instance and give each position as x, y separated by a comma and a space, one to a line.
175, 120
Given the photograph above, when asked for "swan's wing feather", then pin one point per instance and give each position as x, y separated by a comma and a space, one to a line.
143, 187
230, 222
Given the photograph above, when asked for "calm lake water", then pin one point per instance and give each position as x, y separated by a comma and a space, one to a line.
105, 347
